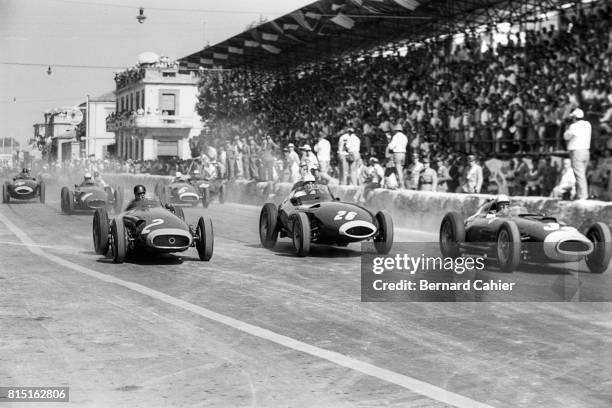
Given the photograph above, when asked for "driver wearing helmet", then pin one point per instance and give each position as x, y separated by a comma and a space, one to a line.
139, 194
25, 174
98, 179
178, 177
87, 180
501, 205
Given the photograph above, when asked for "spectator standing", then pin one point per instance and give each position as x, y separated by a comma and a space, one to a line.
353, 146
428, 178
343, 165
578, 137
473, 176
374, 176
323, 150
397, 148
443, 175
411, 180
293, 163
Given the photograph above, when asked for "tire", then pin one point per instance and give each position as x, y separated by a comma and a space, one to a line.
452, 234
383, 241
205, 240
268, 226
100, 231
41, 191
69, 202
118, 197
508, 246
63, 199
119, 241
599, 260
222, 194
6, 198
301, 234
178, 211
205, 197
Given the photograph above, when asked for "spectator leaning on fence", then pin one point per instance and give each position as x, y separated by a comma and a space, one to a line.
578, 137
566, 187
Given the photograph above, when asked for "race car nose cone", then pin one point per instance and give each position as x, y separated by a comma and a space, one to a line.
357, 229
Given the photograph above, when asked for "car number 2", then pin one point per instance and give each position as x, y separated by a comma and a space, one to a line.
345, 215
155, 222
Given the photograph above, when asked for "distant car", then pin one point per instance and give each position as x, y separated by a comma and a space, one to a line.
518, 236
89, 197
311, 214
209, 189
23, 188
178, 192
149, 227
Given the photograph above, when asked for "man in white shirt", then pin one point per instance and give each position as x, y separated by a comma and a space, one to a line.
353, 146
397, 147
323, 150
578, 138
473, 176
567, 182
343, 166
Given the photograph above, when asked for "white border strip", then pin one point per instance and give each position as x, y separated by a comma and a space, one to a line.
412, 384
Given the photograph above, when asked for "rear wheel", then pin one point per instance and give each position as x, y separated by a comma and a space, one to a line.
5, 194
205, 197
41, 191
63, 199
69, 202
100, 231
118, 199
508, 247
221, 194
452, 234
119, 240
301, 234
205, 239
383, 240
599, 259
268, 226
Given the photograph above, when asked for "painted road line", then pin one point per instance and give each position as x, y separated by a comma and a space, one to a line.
412, 384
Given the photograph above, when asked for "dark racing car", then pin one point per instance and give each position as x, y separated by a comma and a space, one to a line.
209, 188
513, 235
89, 197
148, 227
311, 214
180, 192
23, 187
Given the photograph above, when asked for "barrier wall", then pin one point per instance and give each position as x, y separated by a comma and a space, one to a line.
410, 209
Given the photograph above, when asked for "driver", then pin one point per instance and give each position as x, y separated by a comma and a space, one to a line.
502, 204
87, 180
139, 194
25, 174
178, 177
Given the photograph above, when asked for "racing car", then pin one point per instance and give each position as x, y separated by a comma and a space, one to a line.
209, 189
23, 188
88, 197
149, 227
513, 235
311, 214
178, 192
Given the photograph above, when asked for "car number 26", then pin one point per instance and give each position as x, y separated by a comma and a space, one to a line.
345, 215
155, 222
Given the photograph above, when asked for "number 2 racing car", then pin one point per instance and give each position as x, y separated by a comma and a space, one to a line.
311, 214
148, 227
89, 197
513, 235
22, 188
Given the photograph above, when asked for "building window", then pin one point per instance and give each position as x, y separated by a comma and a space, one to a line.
142, 101
167, 104
137, 100
131, 101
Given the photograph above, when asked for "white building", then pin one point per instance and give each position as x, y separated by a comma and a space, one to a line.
97, 139
155, 110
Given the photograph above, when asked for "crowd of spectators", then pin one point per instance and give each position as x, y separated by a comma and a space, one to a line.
508, 101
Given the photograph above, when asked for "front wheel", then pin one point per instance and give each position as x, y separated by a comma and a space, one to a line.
119, 240
5, 194
601, 237
301, 234
452, 233
383, 241
205, 239
118, 199
222, 194
100, 231
268, 226
508, 246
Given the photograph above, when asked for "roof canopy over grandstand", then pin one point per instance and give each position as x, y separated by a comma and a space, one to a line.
331, 28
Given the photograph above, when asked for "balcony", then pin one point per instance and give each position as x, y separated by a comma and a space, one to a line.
149, 120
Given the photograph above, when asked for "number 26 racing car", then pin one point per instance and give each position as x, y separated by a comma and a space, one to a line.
148, 227
513, 235
311, 214
22, 188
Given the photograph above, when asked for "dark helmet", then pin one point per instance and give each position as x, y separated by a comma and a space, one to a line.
139, 189
96, 174
25, 170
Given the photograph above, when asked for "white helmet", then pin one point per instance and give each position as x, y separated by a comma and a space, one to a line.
502, 198
87, 176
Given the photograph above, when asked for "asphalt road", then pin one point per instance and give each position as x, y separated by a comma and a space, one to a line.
254, 327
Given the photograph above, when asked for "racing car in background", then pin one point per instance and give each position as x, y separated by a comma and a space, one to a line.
513, 235
87, 197
150, 227
180, 192
311, 214
23, 188
209, 188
